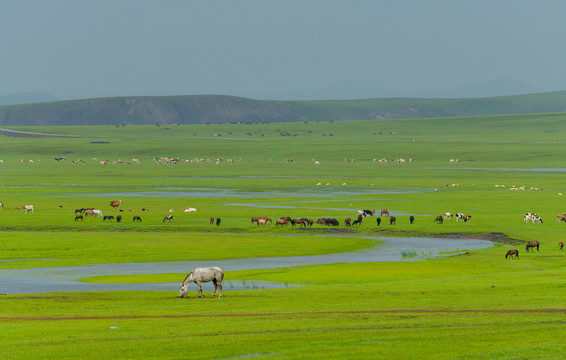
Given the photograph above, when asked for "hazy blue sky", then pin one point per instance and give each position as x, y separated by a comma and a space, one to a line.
276, 49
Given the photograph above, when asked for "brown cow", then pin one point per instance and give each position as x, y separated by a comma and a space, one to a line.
26, 208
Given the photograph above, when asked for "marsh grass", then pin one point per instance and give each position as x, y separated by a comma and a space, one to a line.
409, 253
474, 304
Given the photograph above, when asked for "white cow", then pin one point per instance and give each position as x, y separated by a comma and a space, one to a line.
26, 208
532, 217
190, 209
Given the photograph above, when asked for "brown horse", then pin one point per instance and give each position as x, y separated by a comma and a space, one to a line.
384, 212
300, 222
392, 220
511, 253
439, 219
561, 246
347, 221
532, 244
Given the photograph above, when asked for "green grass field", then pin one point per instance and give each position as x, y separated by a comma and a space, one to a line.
472, 305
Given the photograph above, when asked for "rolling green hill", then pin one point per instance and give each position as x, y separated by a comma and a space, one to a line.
203, 109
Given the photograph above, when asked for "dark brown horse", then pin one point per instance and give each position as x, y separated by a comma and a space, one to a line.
532, 244
561, 246
347, 221
300, 222
511, 253
392, 220
439, 219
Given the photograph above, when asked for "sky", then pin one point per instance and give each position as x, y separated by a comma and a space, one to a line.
271, 49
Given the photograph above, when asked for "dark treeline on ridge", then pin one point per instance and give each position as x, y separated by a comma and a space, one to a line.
214, 109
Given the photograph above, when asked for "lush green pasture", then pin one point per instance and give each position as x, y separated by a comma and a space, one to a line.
474, 304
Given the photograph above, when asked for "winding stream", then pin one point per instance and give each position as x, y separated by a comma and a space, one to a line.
58, 279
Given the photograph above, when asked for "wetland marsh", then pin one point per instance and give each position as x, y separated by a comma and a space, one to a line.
469, 303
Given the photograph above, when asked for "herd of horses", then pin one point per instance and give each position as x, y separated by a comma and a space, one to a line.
306, 222
531, 245
360, 215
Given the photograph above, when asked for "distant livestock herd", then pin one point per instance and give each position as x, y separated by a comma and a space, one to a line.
308, 222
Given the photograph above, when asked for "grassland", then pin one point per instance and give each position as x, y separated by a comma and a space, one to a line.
475, 304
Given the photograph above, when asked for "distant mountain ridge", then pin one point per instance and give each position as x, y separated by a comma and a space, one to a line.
202, 109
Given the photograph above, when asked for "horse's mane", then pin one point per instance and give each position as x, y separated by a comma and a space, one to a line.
191, 273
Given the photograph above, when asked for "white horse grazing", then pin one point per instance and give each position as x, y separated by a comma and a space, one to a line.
200, 275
